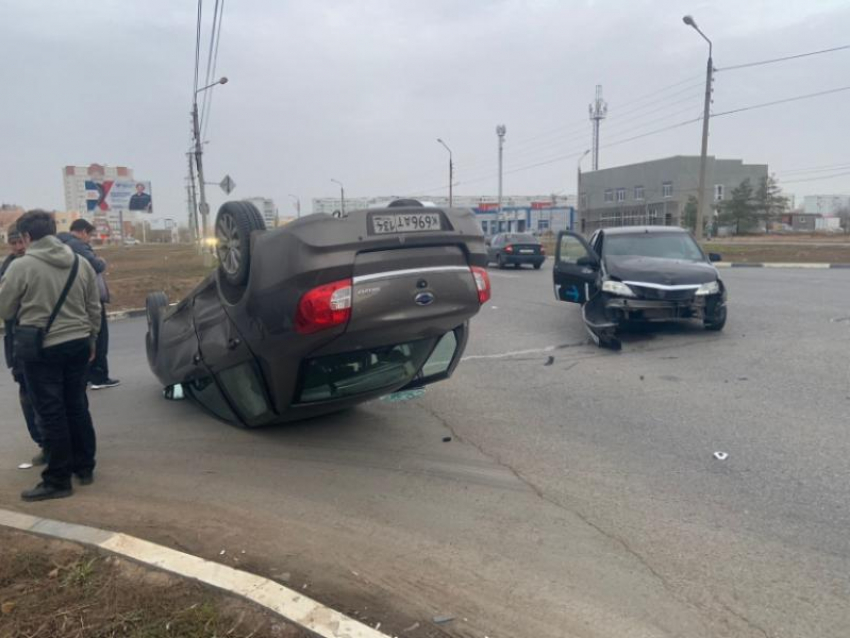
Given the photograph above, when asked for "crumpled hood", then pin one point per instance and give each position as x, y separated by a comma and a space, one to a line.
654, 270
52, 251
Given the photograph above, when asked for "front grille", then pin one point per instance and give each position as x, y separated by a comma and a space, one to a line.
656, 294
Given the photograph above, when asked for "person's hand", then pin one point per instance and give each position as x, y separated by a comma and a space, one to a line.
92, 353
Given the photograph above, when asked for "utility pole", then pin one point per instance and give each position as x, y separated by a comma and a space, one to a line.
598, 112
702, 200
451, 170
193, 203
578, 184
297, 204
196, 132
500, 132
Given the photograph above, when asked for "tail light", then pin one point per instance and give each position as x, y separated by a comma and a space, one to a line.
509, 248
324, 307
542, 250
482, 283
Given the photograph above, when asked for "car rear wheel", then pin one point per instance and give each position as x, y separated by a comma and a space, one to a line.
537, 266
717, 322
500, 262
154, 305
233, 227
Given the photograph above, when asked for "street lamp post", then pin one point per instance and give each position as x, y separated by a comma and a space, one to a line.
451, 169
196, 130
701, 197
578, 182
341, 196
500, 132
297, 204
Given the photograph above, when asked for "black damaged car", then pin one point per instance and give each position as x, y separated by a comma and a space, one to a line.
638, 273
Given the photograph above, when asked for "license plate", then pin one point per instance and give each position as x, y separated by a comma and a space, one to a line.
526, 252
407, 223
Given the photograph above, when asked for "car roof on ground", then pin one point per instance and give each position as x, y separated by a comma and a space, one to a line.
638, 230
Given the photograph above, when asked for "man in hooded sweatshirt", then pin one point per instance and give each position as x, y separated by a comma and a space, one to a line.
29, 291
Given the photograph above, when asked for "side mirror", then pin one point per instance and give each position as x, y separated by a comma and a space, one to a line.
174, 392
588, 261
714, 257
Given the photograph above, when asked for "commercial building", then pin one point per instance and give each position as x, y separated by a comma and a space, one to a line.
655, 193
826, 205
267, 209
520, 213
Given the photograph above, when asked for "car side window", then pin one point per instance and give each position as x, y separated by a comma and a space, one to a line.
597, 245
497, 240
245, 389
571, 249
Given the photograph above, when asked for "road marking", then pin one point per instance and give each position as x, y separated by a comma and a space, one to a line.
505, 355
292, 605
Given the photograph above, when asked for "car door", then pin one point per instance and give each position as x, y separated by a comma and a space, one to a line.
576, 268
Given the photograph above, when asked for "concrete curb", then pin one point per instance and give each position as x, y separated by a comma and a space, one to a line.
118, 315
777, 264
287, 603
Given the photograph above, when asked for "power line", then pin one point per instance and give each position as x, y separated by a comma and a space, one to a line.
815, 169
209, 60
784, 59
815, 179
208, 105
198, 46
790, 99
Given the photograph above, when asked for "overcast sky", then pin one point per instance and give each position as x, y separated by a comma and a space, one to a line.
359, 91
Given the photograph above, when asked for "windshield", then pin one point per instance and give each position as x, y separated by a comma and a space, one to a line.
661, 245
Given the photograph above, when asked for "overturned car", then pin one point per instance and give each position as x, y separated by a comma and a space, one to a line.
638, 273
321, 314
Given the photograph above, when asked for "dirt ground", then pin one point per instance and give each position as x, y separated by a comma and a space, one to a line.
796, 252
56, 589
134, 271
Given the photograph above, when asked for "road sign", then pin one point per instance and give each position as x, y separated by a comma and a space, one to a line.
227, 184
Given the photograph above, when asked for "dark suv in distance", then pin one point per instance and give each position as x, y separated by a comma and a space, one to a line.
515, 249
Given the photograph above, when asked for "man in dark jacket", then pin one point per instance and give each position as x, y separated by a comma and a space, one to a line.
79, 240
16, 243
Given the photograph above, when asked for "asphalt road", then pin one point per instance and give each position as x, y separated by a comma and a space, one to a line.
579, 495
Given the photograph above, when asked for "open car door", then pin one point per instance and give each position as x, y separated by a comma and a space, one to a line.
576, 268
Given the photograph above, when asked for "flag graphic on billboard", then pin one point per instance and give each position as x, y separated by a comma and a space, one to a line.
118, 195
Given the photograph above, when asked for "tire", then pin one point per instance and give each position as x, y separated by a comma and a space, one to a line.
517, 266
154, 305
537, 266
500, 262
717, 322
233, 227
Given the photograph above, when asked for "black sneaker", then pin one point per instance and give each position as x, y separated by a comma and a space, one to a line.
85, 478
40, 459
43, 492
106, 383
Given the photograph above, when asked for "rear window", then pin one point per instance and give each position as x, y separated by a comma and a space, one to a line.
521, 239
349, 374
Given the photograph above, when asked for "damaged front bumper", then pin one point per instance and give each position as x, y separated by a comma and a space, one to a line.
604, 313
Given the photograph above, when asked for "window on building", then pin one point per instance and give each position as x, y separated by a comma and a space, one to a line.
667, 189
609, 195
621, 194
718, 192
542, 225
639, 193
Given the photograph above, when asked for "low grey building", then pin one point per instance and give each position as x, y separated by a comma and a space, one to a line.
655, 193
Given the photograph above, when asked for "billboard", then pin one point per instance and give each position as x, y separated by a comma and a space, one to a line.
118, 195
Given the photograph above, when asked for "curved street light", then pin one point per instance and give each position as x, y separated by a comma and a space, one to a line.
341, 196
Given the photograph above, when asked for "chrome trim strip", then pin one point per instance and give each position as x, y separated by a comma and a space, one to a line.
646, 284
395, 274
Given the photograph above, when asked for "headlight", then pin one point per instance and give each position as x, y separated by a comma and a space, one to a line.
617, 288
708, 289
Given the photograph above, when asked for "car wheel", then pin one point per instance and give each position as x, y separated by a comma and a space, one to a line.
233, 227
500, 262
717, 322
537, 266
154, 304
